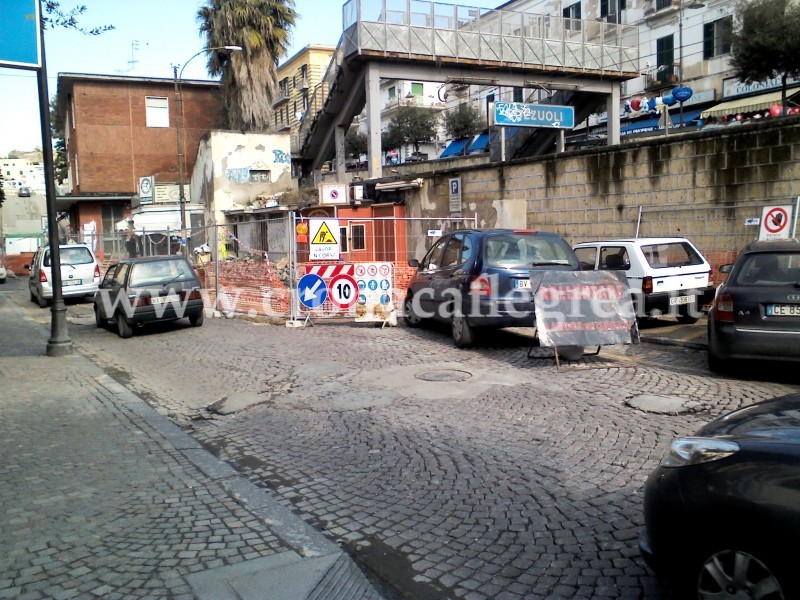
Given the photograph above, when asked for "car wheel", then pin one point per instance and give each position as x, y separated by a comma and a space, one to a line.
196, 320
123, 327
98, 320
716, 364
411, 318
463, 332
42, 302
734, 573
3, 280
33, 297
570, 352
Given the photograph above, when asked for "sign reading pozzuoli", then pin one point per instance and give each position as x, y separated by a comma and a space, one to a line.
19, 34
519, 114
583, 308
323, 239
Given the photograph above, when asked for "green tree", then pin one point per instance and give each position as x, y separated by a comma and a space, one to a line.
464, 121
411, 125
59, 145
355, 143
55, 16
765, 42
262, 29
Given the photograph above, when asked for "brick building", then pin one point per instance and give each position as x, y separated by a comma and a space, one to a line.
118, 129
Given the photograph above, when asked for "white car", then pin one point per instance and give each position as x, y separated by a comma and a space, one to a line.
3, 273
667, 276
80, 273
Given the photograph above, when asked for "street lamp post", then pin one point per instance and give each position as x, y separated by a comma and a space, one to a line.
693, 4
177, 76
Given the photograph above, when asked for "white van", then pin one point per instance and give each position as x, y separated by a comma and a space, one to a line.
667, 276
80, 273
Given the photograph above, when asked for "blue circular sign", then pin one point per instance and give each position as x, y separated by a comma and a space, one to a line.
385, 284
372, 285
312, 291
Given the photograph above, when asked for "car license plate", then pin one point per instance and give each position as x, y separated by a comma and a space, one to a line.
71, 282
676, 300
165, 299
783, 310
522, 284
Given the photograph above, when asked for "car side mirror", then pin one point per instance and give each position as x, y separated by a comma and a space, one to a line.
413, 263
726, 268
28, 267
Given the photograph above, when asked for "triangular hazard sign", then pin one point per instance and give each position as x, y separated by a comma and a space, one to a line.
324, 235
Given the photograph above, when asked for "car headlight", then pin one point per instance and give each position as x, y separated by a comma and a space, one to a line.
696, 450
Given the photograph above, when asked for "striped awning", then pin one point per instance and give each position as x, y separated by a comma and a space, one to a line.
749, 104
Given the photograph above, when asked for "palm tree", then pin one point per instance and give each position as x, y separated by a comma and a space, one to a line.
262, 29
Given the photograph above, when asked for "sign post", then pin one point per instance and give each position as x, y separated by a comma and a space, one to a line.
455, 196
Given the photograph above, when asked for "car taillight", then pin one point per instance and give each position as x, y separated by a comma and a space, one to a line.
480, 286
723, 307
711, 277
647, 285
191, 294
97, 271
141, 300
42, 276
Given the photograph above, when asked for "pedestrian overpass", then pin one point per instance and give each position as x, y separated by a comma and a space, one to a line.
428, 41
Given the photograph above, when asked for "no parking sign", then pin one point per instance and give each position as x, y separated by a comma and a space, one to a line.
775, 223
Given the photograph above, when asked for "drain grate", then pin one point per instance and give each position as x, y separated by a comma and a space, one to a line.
446, 375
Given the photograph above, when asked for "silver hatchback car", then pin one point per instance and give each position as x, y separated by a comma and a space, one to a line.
80, 273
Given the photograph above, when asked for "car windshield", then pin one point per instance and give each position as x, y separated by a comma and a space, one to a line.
671, 254
769, 269
158, 272
72, 256
525, 250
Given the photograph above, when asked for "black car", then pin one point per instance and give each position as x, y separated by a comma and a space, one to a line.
146, 290
756, 312
722, 511
480, 278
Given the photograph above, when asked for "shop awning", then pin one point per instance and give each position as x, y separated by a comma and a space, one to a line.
455, 148
749, 104
479, 144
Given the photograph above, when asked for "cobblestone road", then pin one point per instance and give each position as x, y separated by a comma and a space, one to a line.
446, 473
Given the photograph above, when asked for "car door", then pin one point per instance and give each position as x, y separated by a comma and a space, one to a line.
422, 285
448, 278
33, 273
109, 294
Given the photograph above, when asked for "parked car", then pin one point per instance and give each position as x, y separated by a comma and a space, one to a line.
480, 279
24, 191
3, 272
152, 289
722, 510
756, 312
80, 273
666, 275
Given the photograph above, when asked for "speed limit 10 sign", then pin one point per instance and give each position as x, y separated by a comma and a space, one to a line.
343, 291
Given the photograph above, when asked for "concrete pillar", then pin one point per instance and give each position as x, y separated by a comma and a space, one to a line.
373, 88
339, 133
612, 109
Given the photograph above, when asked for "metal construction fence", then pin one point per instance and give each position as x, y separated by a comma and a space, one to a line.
262, 263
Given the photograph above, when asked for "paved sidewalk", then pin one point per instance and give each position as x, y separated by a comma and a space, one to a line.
102, 497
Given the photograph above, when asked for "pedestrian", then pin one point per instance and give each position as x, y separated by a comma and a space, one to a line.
132, 244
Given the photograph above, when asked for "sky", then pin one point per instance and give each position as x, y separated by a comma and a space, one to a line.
149, 37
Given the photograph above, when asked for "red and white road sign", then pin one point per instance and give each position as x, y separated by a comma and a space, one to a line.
775, 222
343, 291
328, 271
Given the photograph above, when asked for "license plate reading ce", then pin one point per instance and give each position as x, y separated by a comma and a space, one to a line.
783, 310
71, 282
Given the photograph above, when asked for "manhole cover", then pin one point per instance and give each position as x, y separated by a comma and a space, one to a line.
444, 375
663, 404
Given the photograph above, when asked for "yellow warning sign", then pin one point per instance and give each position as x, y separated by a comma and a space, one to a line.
324, 235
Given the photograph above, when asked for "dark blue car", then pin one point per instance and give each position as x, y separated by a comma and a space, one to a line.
480, 278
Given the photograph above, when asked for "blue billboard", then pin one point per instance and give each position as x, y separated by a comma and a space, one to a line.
518, 114
19, 34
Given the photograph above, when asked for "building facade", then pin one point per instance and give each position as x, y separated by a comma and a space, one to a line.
119, 129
